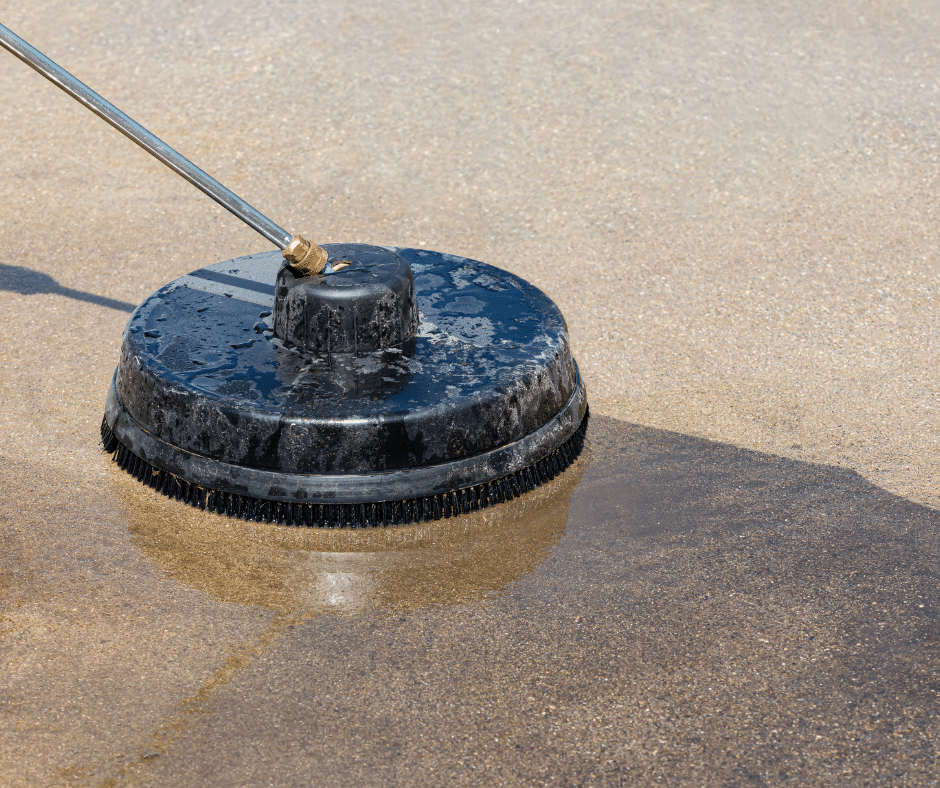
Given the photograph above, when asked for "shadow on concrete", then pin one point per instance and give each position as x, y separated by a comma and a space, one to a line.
25, 281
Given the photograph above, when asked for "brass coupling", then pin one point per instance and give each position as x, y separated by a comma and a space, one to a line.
305, 256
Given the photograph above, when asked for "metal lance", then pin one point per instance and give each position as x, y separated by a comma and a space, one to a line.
303, 255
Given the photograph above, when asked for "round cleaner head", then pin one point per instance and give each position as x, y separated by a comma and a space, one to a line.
396, 386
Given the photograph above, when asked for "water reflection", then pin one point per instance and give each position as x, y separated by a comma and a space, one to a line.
295, 570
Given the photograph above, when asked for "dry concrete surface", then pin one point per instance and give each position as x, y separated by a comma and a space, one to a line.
735, 204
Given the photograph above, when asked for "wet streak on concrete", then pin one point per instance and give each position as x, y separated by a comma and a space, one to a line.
710, 615
669, 606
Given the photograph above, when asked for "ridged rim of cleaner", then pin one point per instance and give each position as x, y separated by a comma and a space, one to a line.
349, 515
525, 470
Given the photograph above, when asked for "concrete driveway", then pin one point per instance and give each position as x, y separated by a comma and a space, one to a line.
735, 204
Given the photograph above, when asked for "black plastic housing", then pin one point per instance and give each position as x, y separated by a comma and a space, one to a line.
207, 394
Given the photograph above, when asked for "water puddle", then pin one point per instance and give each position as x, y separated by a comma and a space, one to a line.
341, 570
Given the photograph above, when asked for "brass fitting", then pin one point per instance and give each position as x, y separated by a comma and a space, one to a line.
305, 256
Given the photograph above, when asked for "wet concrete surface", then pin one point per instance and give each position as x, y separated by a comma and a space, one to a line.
707, 616
734, 205
670, 608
